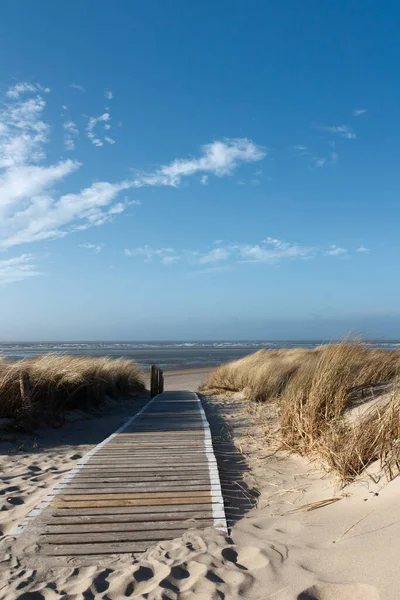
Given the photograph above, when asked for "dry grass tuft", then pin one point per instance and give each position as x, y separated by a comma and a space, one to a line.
43, 388
314, 389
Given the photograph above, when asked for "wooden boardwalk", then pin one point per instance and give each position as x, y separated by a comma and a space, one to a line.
150, 481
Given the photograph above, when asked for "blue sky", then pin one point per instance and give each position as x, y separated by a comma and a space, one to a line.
181, 170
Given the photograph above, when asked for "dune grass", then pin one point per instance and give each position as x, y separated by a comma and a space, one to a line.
314, 391
41, 389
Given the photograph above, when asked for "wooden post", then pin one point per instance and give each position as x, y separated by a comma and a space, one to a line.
152, 381
25, 389
156, 381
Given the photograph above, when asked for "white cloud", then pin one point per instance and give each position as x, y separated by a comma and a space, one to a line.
215, 255
300, 148
23, 88
108, 94
164, 255
334, 157
273, 250
359, 111
336, 251
318, 162
109, 140
218, 158
17, 269
362, 249
268, 251
93, 121
95, 248
64, 107
204, 179
32, 208
75, 86
342, 130
71, 131
117, 209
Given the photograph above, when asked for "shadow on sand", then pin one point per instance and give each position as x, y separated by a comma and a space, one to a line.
239, 498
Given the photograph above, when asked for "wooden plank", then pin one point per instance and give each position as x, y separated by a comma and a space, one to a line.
133, 496
122, 528
84, 485
108, 522
158, 477
94, 549
148, 483
198, 460
112, 536
151, 490
128, 510
57, 502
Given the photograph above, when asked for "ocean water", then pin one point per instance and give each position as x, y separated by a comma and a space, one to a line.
167, 355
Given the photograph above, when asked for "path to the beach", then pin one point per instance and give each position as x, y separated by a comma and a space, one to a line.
149, 481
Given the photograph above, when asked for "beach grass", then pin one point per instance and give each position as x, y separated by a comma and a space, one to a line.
41, 389
316, 392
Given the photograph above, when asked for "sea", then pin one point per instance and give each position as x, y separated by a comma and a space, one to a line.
174, 355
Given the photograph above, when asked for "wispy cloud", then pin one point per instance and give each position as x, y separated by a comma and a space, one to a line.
359, 111
94, 248
301, 149
344, 131
109, 140
93, 121
75, 86
215, 255
18, 89
318, 162
272, 250
363, 249
337, 251
71, 132
32, 209
218, 158
17, 269
204, 179
334, 157
165, 255
109, 95
269, 251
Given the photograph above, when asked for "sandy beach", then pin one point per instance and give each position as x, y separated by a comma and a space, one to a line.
295, 534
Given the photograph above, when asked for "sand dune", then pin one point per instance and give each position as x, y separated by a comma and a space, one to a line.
278, 549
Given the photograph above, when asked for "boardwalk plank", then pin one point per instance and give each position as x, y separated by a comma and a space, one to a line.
147, 483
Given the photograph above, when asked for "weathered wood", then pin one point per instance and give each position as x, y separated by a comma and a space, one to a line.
132, 496
25, 388
148, 483
94, 549
157, 478
127, 510
95, 485
156, 381
137, 522
148, 489
112, 536
57, 503
128, 526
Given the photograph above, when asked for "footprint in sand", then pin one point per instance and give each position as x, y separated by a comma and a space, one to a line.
15, 501
8, 490
75, 456
34, 468
333, 591
247, 558
100, 582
